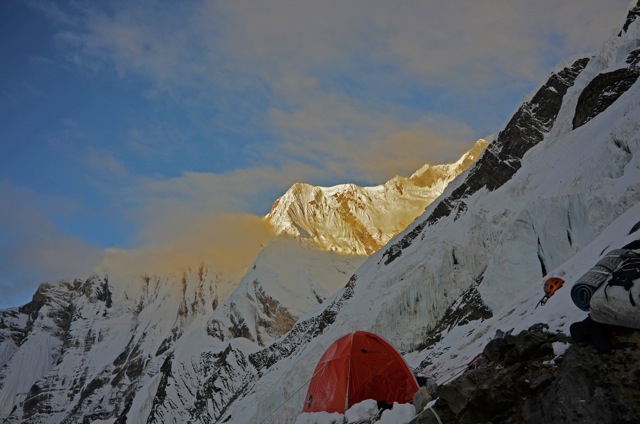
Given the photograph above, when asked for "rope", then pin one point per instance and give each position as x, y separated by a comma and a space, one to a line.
457, 373
436, 414
294, 393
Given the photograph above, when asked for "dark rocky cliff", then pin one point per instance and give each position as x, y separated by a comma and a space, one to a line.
521, 381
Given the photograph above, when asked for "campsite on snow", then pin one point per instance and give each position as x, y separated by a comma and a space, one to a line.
513, 298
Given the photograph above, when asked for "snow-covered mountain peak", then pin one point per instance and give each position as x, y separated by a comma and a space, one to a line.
428, 174
351, 219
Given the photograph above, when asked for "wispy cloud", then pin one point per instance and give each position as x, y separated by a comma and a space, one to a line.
337, 133
293, 54
346, 88
427, 37
103, 161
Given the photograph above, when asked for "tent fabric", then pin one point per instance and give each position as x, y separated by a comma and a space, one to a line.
356, 367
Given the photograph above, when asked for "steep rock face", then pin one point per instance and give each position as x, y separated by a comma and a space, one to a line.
303, 331
42, 333
204, 377
81, 350
606, 87
358, 220
632, 15
601, 92
197, 382
525, 129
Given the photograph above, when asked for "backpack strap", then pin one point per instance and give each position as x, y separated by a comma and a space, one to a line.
626, 283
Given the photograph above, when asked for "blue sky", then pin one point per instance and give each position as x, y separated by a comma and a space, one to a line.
129, 128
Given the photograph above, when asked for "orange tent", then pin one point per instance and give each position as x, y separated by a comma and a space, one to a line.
357, 367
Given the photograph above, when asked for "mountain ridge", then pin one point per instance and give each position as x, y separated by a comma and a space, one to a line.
76, 320
351, 219
572, 184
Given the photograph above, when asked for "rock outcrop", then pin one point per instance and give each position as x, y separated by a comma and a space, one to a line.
521, 380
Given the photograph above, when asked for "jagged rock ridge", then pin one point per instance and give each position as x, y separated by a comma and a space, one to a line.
502, 158
82, 350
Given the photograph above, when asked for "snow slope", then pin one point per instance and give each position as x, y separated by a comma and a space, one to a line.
287, 280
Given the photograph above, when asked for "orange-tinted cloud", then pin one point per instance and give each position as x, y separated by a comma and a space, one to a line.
228, 242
